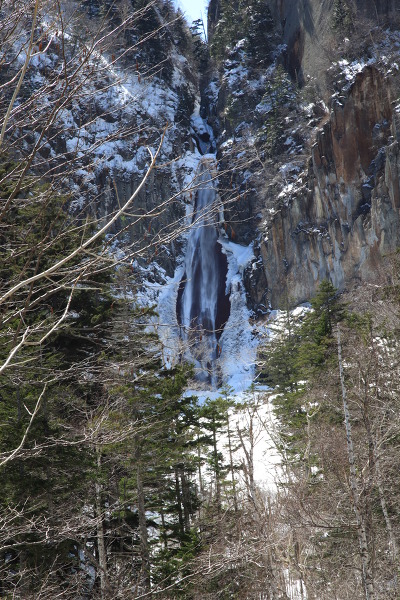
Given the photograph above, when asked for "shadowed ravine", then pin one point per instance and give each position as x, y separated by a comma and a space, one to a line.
203, 306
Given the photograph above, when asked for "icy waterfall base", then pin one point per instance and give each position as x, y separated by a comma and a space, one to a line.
237, 345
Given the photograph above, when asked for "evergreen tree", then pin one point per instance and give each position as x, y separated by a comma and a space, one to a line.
317, 330
249, 21
279, 96
295, 356
200, 47
259, 28
214, 420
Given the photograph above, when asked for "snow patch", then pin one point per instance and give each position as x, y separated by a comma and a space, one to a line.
238, 341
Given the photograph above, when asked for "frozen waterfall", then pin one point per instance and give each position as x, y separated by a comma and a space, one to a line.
202, 311
203, 306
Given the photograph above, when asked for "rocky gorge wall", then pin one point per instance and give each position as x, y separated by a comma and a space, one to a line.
312, 30
325, 202
139, 86
345, 217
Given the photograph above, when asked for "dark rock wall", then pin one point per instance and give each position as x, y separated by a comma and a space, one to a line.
341, 216
346, 217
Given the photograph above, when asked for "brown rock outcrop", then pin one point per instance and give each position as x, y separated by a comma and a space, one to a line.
346, 217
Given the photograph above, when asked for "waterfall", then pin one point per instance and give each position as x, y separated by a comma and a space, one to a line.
202, 309
203, 306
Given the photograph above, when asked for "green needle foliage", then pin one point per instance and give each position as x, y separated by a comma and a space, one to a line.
240, 20
296, 356
280, 95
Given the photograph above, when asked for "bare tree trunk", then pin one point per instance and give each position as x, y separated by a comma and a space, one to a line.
249, 453
378, 472
164, 530
382, 499
144, 540
101, 546
186, 500
388, 522
201, 488
217, 469
179, 502
360, 519
376, 475
235, 503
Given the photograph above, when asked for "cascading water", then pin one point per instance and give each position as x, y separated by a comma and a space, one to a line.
203, 306
203, 316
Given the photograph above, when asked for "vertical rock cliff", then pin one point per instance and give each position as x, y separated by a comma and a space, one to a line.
345, 217
310, 128
303, 97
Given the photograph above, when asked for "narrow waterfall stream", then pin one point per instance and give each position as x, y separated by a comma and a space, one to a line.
203, 306
203, 318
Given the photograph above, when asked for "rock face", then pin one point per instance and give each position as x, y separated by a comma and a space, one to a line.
324, 202
346, 216
141, 87
307, 30
316, 191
